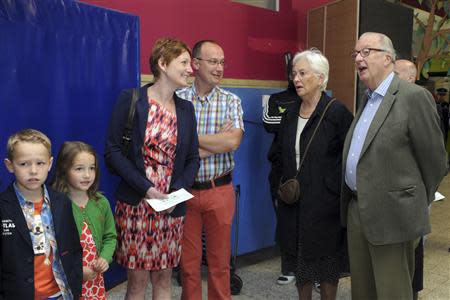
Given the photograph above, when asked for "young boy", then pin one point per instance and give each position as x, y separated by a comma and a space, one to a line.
40, 249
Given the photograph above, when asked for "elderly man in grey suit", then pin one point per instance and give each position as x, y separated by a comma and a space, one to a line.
393, 162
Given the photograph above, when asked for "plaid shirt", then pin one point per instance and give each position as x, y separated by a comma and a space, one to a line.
211, 112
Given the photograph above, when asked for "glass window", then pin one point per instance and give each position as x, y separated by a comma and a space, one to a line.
267, 4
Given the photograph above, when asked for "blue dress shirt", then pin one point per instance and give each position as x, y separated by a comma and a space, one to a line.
362, 127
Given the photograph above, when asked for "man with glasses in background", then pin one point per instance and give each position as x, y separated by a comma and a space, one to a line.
393, 162
220, 129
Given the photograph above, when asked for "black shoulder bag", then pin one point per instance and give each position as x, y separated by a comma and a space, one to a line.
289, 191
128, 130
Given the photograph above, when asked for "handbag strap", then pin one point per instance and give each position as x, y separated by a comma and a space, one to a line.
314, 133
128, 130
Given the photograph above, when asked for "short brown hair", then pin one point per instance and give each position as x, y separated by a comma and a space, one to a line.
64, 162
30, 136
166, 49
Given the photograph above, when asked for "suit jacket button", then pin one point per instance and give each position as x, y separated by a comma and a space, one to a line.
30, 259
30, 280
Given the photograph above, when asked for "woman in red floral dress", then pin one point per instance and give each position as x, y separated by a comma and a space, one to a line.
163, 158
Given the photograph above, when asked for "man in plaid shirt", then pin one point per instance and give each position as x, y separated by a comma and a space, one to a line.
220, 128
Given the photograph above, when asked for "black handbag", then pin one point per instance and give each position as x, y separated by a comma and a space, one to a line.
289, 191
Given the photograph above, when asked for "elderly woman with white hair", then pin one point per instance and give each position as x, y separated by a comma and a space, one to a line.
321, 242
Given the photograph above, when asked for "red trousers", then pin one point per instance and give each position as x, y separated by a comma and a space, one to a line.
212, 210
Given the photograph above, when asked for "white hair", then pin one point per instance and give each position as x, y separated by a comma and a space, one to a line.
317, 61
385, 43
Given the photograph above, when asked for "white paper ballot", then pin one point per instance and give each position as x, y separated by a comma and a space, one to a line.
438, 196
173, 199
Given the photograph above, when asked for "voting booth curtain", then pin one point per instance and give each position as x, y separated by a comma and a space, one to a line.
62, 66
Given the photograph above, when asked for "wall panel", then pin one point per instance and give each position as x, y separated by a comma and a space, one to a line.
341, 35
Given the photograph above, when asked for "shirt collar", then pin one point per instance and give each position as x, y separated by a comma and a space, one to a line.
204, 98
381, 90
23, 200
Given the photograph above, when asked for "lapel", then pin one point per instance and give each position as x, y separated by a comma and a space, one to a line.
15, 211
381, 114
292, 120
142, 110
142, 113
317, 113
55, 208
181, 122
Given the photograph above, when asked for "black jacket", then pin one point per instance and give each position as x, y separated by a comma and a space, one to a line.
320, 177
17, 256
277, 106
134, 184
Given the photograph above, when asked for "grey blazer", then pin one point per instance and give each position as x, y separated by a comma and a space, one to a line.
402, 162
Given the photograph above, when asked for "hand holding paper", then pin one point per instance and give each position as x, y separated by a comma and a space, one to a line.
172, 199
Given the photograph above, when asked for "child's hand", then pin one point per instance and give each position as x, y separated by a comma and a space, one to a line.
88, 274
100, 265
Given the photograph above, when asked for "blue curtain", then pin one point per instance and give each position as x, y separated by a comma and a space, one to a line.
62, 65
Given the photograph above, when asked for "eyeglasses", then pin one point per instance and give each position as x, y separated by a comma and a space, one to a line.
213, 62
301, 73
365, 52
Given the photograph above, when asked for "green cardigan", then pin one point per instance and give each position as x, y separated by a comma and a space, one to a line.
99, 217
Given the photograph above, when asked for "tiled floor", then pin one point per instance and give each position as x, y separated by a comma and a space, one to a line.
260, 270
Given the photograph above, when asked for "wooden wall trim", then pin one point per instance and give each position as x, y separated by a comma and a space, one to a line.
234, 83
324, 32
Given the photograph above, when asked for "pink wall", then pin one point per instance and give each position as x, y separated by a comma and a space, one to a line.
254, 39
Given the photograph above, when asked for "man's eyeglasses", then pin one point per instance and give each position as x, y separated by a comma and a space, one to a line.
213, 62
365, 52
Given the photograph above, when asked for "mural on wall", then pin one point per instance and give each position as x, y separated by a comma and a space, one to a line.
431, 37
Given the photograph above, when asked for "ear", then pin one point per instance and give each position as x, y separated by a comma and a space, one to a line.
321, 79
162, 66
9, 165
389, 60
195, 64
50, 163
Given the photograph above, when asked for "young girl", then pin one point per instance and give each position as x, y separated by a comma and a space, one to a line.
77, 174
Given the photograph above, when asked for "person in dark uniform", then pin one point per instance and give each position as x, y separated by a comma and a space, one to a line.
443, 110
277, 105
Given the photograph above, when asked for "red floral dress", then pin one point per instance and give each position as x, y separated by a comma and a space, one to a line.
91, 289
148, 240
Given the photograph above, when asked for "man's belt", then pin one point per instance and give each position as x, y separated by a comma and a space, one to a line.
222, 180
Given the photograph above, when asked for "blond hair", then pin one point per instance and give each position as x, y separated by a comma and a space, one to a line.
29, 136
